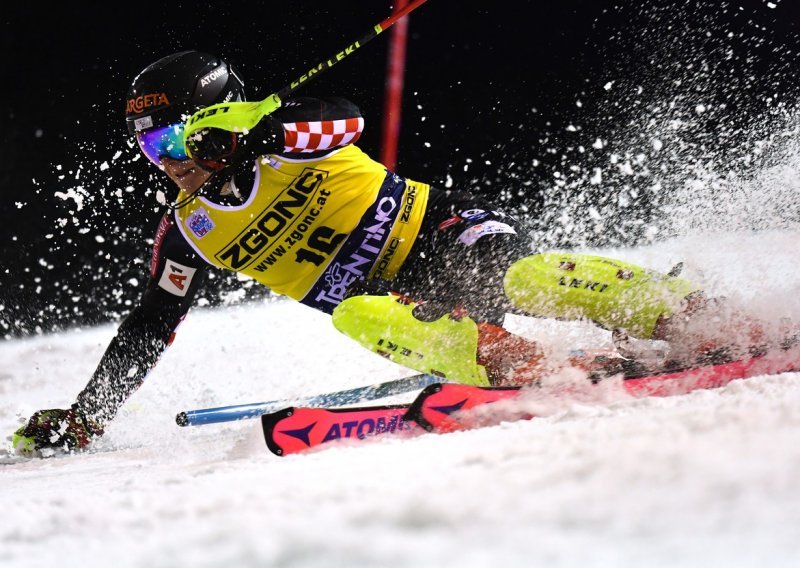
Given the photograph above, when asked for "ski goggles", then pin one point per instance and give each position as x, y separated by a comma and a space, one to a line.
163, 141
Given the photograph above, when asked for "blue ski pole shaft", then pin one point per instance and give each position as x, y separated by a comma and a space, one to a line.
338, 398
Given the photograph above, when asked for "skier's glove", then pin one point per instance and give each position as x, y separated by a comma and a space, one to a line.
56, 430
216, 148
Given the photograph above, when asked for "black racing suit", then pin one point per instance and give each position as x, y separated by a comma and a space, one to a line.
442, 267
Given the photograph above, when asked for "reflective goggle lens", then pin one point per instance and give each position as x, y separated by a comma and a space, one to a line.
164, 141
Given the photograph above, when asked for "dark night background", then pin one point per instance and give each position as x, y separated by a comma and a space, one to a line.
501, 98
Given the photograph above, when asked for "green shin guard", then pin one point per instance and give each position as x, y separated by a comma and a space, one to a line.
446, 347
611, 293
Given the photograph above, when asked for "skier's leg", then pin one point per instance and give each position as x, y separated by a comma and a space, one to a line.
455, 272
458, 264
640, 302
452, 346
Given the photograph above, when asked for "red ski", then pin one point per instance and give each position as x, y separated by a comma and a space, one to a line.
293, 430
446, 407
449, 407
676, 382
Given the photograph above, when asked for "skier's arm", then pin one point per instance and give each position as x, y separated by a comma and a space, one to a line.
175, 276
302, 128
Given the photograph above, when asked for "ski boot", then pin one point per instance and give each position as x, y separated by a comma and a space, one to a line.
509, 359
712, 330
55, 431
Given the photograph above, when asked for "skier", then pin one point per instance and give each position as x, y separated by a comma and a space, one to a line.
415, 273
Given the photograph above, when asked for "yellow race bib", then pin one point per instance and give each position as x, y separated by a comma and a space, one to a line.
311, 227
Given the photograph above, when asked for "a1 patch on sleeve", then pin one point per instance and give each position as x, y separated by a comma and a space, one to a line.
176, 278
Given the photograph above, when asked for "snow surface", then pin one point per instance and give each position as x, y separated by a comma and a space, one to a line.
705, 479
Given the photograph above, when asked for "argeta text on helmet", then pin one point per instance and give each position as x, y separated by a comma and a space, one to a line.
142, 102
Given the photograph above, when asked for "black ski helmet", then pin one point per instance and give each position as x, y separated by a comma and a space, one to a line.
175, 86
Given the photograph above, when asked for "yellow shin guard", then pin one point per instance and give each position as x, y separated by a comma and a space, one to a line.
445, 347
611, 293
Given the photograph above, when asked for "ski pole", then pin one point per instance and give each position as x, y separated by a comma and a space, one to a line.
338, 398
241, 116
